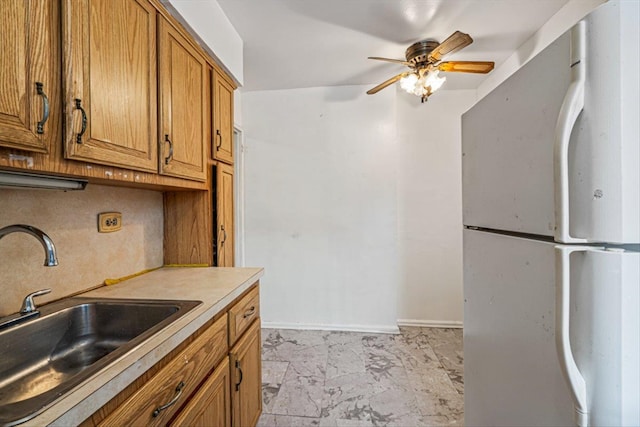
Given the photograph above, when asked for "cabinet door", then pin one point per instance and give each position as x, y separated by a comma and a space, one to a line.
222, 119
211, 405
246, 391
27, 73
184, 97
110, 71
224, 213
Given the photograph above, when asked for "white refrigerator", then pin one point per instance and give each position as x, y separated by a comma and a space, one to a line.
551, 208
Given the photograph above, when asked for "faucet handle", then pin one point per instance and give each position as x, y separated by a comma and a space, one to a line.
28, 306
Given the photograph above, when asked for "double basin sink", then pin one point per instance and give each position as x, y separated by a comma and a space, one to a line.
46, 356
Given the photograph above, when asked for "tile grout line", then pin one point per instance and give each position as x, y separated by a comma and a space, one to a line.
442, 365
407, 373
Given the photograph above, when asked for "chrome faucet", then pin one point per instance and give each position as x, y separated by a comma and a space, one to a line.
50, 259
28, 308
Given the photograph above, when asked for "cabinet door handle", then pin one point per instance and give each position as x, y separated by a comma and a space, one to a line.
249, 312
161, 408
170, 156
84, 120
219, 138
239, 369
224, 234
45, 107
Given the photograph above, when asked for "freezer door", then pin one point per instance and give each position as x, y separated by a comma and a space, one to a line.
507, 147
604, 150
511, 163
513, 372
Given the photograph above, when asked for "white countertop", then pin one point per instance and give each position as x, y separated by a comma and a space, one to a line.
216, 287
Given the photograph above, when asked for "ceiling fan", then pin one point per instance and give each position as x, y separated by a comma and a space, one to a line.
424, 58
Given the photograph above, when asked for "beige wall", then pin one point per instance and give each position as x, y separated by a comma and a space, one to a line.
323, 222
430, 292
85, 256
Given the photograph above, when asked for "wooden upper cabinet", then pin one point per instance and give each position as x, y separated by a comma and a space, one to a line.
110, 82
28, 80
222, 148
224, 215
184, 98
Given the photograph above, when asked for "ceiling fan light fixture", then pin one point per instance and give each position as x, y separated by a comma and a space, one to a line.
409, 82
422, 85
424, 58
434, 81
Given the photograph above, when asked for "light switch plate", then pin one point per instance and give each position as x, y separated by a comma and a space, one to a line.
109, 222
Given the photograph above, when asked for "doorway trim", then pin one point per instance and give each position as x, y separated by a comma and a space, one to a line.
238, 196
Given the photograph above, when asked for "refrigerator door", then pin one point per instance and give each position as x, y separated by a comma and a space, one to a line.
507, 147
513, 170
603, 306
513, 372
604, 151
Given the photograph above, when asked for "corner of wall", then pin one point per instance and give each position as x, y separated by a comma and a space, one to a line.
558, 24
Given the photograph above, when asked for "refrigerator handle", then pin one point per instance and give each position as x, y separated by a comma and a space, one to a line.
570, 370
571, 107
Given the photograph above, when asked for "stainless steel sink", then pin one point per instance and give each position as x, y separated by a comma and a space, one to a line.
44, 357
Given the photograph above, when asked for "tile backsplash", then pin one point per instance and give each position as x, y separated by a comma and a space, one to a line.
85, 256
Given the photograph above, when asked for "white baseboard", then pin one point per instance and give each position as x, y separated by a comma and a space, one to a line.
374, 329
430, 323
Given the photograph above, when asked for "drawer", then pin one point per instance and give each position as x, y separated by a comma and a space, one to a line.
243, 313
188, 368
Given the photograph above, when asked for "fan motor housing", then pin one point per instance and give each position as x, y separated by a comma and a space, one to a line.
418, 53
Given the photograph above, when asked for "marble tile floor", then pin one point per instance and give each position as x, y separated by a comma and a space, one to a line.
349, 379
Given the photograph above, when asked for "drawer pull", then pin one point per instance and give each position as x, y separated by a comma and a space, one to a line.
159, 409
239, 369
249, 312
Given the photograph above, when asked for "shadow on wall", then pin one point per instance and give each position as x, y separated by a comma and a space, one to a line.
343, 93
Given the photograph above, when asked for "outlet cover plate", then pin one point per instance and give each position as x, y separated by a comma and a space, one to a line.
109, 222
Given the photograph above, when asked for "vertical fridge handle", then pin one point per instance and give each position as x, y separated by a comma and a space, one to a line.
571, 107
570, 370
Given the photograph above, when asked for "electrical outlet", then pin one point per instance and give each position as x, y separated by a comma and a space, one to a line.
109, 222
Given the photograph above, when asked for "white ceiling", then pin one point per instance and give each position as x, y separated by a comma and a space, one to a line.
308, 43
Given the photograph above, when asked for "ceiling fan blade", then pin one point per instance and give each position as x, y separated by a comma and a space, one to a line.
478, 67
454, 43
386, 83
397, 61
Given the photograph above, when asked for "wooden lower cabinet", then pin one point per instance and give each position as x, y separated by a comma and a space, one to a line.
243, 314
211, 405
160, 398
201, 382
246, 387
